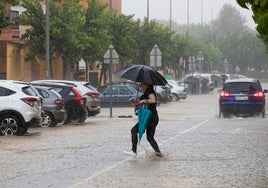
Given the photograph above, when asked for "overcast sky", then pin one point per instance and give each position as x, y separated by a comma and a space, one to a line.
160, 9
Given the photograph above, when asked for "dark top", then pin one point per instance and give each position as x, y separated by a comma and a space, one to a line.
145, 95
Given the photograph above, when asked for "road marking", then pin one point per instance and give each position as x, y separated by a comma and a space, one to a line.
194, 127
96, 174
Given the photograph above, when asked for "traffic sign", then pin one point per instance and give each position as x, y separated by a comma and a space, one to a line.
110, 56
155, 57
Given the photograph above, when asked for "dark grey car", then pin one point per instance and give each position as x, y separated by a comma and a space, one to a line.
120, 95
53, 107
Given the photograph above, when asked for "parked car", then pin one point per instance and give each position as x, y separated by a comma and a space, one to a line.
231, 76
20, 108
177, 92
242, 97
120, 95
135, 85
53, 107
87, 90
162, 92
195, 84
209, 78
75, 102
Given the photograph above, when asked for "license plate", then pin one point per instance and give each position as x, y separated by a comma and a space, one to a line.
241, 98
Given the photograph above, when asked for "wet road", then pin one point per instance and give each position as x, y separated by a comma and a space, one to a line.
200, 150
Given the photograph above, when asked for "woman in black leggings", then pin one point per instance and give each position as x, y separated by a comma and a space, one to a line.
149, 97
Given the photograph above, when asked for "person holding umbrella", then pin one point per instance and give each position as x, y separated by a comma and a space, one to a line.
149, 98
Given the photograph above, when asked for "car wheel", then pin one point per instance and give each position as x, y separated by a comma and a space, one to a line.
174, 97
263, 113
67, 120
10, 125
48, 120
22, 131
81, 119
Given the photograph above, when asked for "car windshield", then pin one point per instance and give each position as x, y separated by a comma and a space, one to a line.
242, 86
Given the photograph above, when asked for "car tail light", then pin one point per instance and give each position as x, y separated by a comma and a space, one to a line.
258, 94
78, 98
58, 102
224, 94
30, 101
92, 94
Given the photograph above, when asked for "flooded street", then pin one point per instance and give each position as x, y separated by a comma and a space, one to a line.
200, 150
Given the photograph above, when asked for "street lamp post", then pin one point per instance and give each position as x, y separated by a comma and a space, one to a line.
148, 4
47, 41
188, 9
201, 17
111, 5
170, 18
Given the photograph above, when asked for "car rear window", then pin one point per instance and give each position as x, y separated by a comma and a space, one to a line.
29, 91
43, 93
242, 87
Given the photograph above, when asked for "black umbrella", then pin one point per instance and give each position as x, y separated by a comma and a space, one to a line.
142, 73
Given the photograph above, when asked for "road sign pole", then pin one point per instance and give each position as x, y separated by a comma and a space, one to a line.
110, 57
110, 79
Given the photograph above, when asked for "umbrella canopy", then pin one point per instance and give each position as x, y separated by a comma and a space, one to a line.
142, 73
144, 116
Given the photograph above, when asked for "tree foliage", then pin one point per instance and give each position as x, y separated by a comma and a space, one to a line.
34, 36
66, 31
96, 29
123, 34
237, 42
229, 21
148, 35
66, 23
260, 16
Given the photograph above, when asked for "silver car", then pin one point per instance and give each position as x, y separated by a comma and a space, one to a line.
53, 107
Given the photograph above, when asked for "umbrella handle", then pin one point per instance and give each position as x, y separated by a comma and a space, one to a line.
137, 96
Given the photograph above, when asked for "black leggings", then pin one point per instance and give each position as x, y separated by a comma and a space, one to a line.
150, 131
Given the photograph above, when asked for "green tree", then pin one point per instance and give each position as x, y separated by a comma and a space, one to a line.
68, 38
122, 31
66, 30
5, 19
34, 36
149, 35
237, 42
229, 21
96, 29
260, 16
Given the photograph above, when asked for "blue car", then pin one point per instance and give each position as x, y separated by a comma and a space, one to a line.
242, 97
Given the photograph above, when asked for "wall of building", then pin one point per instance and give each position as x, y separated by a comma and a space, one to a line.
3, 65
